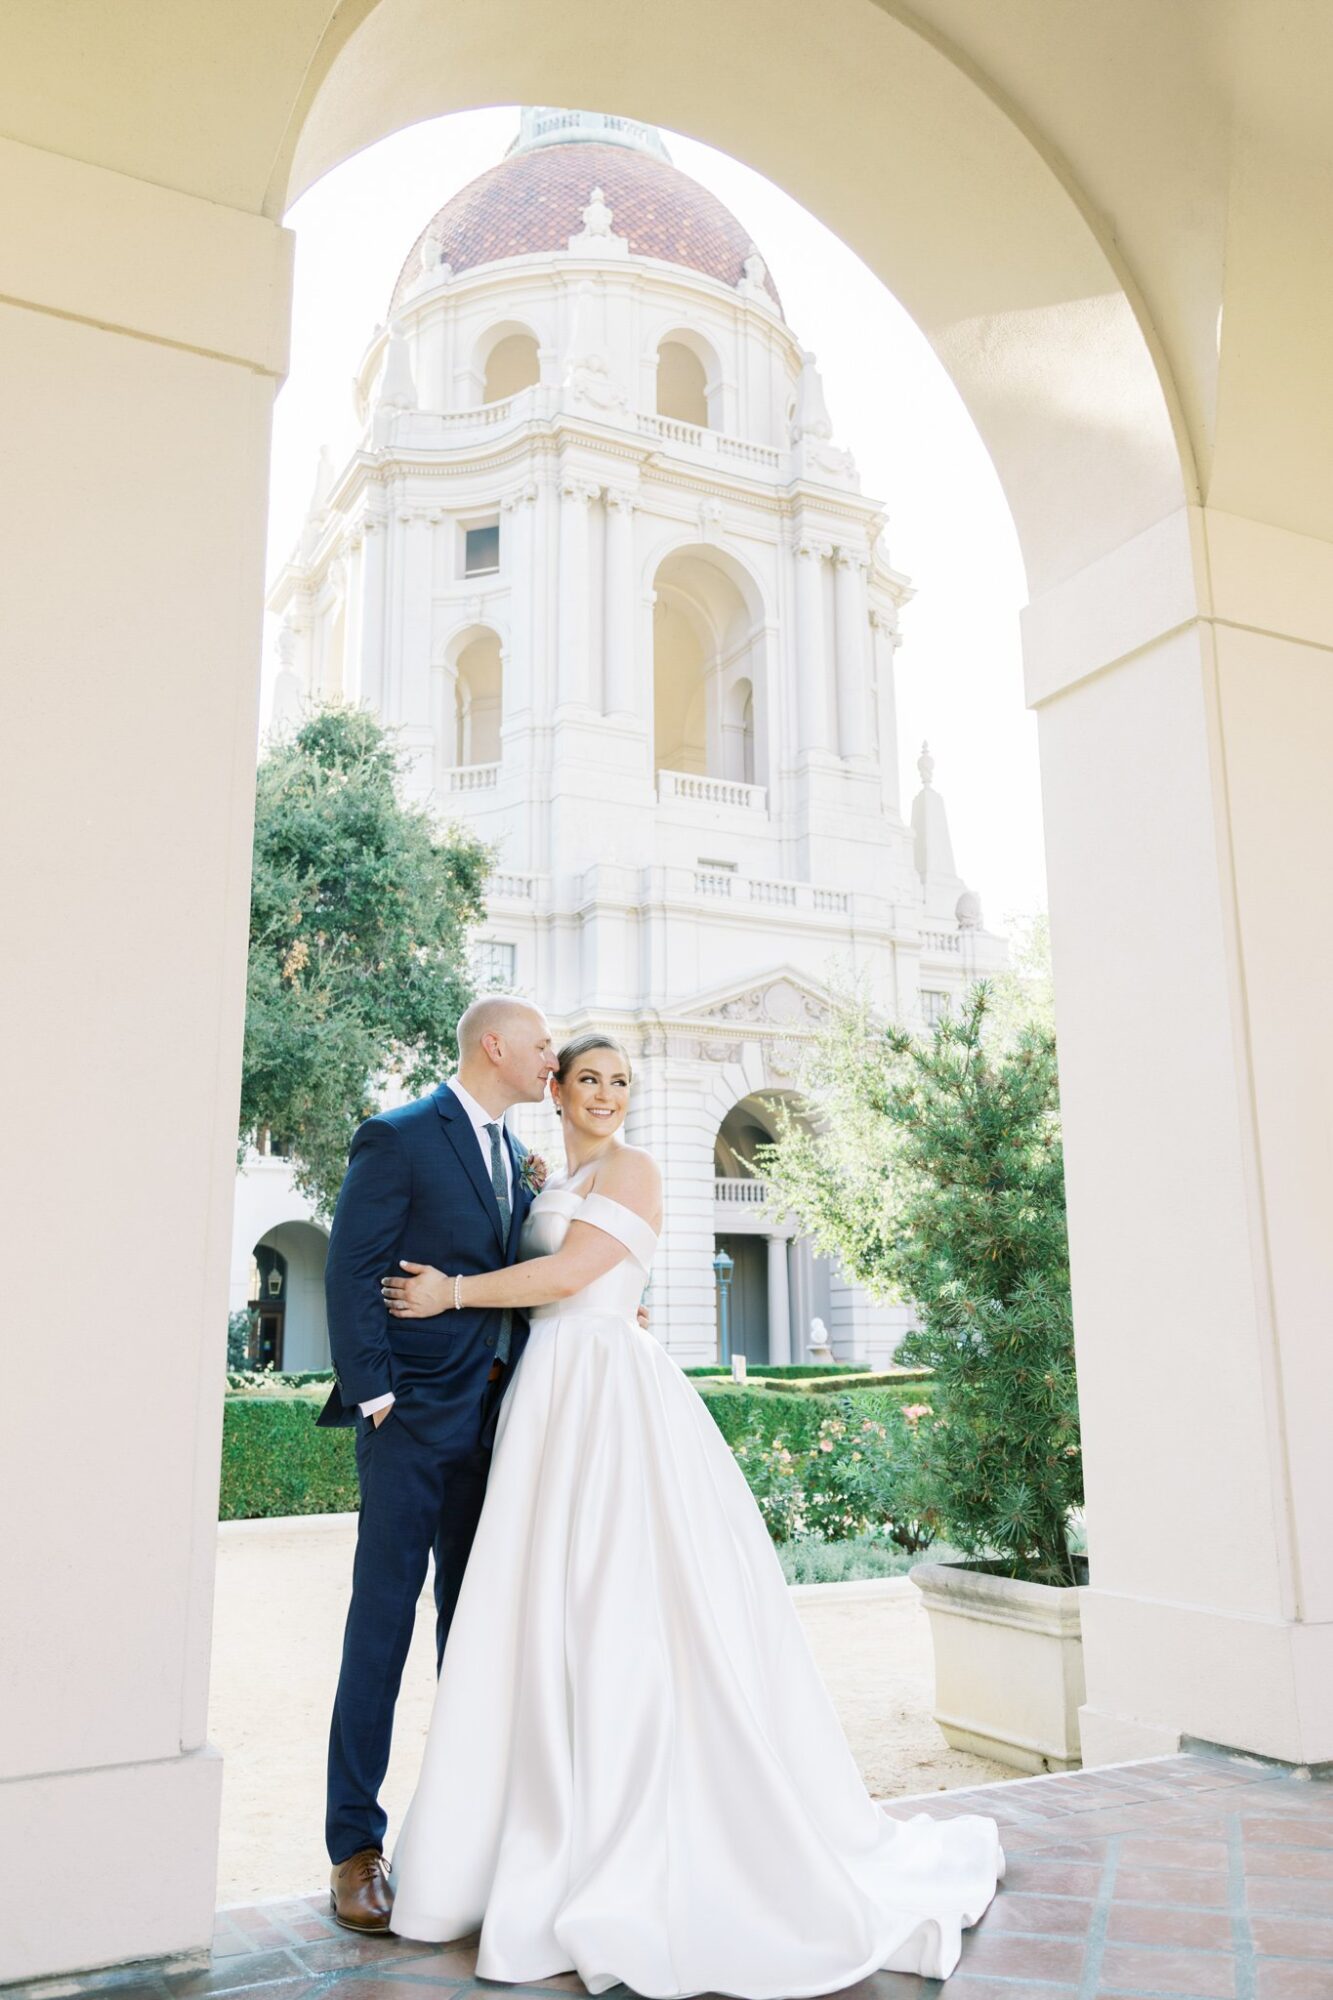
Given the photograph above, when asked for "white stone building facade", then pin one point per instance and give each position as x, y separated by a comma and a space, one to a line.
600, 564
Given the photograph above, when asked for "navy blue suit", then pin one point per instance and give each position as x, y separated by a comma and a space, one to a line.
417, 1187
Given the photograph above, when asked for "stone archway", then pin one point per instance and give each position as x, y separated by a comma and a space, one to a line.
1178, 655
301, 1249
709, 688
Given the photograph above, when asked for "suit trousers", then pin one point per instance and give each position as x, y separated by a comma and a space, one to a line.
420, 1495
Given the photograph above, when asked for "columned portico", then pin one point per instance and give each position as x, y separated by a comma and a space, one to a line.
132, 611
1185, 694
779, 1304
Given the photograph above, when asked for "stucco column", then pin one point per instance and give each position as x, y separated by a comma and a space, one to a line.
408, 703
518, 555
151, 367
779, 1307
801, 1292
1184, 688
813, 731
623, 682
574, 668
368, 640
852, 655
884, 644
672, 1114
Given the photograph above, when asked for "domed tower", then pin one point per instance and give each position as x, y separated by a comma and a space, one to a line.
601, 564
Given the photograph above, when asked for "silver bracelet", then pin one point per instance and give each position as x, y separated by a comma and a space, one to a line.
458, 1303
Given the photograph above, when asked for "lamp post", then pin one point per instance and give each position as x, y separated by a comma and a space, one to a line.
723, 1266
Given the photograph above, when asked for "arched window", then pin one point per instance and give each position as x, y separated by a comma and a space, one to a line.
477, 701
511, 365
682, 384
707, 663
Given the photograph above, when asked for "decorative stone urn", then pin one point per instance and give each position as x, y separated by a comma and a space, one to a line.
1008, 1665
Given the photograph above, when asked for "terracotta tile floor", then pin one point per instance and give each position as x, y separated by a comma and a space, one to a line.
1199, 1877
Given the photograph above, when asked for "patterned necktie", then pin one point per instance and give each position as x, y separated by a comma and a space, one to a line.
501, 1186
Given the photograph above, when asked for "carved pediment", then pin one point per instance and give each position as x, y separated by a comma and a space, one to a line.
781, 1003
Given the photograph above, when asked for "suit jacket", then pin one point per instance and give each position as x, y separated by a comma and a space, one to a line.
417, 1187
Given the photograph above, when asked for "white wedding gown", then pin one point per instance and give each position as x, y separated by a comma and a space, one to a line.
633, 1770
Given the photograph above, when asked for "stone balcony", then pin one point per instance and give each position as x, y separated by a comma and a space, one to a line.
461, 430
740, 1207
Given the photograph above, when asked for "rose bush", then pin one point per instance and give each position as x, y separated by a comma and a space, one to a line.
859, 1475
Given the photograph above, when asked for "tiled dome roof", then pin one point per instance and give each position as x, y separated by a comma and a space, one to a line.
534, 201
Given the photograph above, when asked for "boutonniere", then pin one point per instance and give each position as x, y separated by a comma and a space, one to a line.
532, 1172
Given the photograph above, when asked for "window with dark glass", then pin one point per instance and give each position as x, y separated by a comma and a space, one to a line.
481, 550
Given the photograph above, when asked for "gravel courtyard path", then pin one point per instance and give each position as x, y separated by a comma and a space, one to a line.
281, 1599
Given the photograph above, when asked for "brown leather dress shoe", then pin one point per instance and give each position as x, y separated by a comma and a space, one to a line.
360, 1893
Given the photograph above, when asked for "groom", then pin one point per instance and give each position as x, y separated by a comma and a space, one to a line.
439, 1181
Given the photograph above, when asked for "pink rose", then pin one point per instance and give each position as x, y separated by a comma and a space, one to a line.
533, 1172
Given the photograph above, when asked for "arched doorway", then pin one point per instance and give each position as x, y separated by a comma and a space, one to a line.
288, 1326
468, 705
708, 669
688, 381
780, 1283
511, 363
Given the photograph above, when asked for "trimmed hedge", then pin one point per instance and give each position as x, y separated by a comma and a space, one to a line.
837, 1385
263, 1381
275, 1460
785, 1372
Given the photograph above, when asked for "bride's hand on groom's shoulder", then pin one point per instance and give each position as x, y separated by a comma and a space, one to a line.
422, 1294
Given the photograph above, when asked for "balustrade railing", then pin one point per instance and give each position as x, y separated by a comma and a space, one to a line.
710, 791
482, 418
470, 778
740, 1188
672, 430
754, 454
941, 941
713, 881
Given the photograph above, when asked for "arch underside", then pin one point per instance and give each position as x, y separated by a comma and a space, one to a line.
989, 252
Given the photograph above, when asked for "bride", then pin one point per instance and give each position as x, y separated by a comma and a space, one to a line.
633, 1770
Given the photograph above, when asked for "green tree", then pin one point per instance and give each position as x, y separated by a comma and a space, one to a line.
1023, 995
936, 1174
360, 914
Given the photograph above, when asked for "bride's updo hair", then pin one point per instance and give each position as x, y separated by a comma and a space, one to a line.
583, 1045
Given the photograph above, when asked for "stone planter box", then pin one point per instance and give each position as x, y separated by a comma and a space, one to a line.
1008, 1665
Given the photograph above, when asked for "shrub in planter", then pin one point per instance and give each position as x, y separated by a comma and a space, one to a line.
939, 1177
983, 1250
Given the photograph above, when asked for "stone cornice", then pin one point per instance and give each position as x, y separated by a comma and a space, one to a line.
376, 473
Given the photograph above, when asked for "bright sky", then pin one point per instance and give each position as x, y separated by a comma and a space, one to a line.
892, 405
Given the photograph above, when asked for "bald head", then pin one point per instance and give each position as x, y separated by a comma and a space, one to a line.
505, 1055
494, 1014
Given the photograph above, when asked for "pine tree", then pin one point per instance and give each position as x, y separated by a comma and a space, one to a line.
961, 1209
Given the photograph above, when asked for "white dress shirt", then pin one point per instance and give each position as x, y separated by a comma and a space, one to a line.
479, 1118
